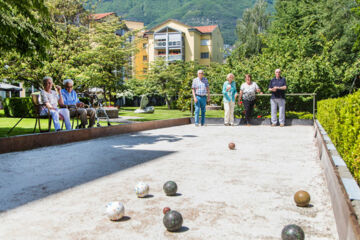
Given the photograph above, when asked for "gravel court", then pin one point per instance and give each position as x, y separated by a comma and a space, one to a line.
246, 193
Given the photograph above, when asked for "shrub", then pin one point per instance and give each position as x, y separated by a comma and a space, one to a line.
341, 119
19, 107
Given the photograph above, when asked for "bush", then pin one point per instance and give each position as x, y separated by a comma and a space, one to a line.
341, 119
19, 107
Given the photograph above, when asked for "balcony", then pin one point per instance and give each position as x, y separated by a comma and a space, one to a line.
175, 57
160, 45
175, 44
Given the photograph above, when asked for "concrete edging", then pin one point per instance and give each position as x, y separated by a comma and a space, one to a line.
32, 141
346, 210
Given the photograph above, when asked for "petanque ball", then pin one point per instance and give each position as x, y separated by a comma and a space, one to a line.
170, 188
115, 210
173, 221
142, 189
231, 146
302, 198
166, 209
292, 232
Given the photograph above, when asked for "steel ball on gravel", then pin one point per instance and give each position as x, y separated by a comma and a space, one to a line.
173, 221
170, 188
142, 189
292, 232
166, 209
115, 210
231, 146
302, 198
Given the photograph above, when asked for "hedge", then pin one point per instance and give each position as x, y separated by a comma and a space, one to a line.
341, 119
18, 107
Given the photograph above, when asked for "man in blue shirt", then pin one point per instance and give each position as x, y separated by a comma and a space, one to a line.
200, 88
75, 106
277, 87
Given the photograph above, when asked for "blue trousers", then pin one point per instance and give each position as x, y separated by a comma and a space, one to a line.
201, 104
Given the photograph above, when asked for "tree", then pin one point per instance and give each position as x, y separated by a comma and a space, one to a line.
165, 79
24, 26
249, 29
106, 61
67, 40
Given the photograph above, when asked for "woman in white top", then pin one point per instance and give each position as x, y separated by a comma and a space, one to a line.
247, 93
51, 99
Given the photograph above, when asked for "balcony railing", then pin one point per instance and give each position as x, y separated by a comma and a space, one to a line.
160, 44
175, 57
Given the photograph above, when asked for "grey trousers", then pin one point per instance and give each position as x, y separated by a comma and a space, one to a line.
83, 113
275, 102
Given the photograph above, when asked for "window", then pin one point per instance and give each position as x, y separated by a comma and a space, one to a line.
145, 70
205, 42
144, 58
204, 55
144, 45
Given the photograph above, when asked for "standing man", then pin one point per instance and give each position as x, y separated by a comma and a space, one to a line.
277, 88
200, 88
75, 106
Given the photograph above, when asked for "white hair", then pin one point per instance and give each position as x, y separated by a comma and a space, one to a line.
45, 79
277, 70
68, 81
229, 75
200, 71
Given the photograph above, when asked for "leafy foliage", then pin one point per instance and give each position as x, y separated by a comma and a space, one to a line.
24, 26
341, 119
89, 55
249, 28
19, 107
311, 42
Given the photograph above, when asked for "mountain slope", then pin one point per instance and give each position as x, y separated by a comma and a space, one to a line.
192, 12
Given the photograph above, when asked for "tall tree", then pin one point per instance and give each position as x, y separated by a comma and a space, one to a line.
251, 26
24, 26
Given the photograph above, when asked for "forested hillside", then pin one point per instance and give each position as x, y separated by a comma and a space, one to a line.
192, 12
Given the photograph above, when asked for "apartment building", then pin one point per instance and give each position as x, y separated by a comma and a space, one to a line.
174, 40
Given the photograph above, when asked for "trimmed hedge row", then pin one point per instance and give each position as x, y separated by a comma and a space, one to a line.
341, 119
19, 107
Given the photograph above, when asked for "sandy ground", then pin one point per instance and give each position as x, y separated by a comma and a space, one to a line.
61, 192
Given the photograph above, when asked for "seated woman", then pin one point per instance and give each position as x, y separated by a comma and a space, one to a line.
51, 100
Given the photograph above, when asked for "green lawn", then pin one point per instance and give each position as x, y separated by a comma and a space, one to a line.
162, 113
26, 126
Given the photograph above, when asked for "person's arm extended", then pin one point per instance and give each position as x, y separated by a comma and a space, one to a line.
258, 90
194, 96
208, 93
240, 96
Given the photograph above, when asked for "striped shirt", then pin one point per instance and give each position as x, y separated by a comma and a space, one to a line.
200, 86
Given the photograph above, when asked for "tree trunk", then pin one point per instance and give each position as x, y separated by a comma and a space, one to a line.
168, 102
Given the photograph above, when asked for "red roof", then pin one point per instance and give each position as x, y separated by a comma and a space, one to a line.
99, 16
206, 29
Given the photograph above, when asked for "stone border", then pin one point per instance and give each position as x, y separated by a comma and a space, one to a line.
262, 121
32, 141
341, 187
